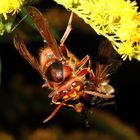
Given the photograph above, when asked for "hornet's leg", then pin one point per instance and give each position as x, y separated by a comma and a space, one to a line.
56, 110
82, 63
98, 94
53, 113
67, 31
65, 35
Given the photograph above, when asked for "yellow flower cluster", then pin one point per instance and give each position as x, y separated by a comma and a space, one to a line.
117, 20
10, 6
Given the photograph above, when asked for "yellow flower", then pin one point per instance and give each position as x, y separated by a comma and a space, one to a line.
125, 50
117, 20
10, 6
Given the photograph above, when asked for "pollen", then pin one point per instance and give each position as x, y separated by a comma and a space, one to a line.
78, 88
79, 107
10, 7
117, 20
73, 94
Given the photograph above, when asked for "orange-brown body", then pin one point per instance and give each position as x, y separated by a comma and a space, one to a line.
64, 74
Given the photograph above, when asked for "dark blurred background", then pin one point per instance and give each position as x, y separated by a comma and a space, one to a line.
24, 104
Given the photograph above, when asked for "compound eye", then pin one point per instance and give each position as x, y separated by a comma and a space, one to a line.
54, 72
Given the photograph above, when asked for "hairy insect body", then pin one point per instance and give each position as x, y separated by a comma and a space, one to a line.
72, 60
72, 81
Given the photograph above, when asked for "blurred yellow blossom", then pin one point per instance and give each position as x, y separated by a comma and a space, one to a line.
10, 6
117, 20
